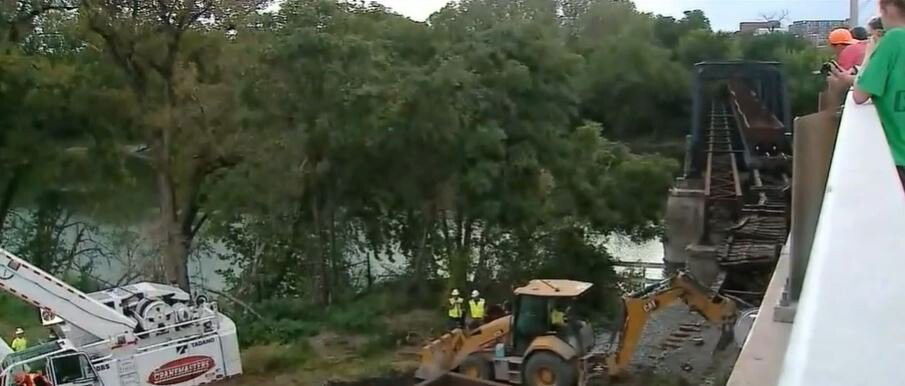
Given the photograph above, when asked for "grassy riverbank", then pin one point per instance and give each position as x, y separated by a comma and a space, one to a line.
343, 356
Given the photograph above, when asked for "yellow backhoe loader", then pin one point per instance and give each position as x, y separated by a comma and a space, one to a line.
540, 345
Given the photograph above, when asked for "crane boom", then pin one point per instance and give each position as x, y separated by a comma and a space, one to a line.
138, 334
34, 286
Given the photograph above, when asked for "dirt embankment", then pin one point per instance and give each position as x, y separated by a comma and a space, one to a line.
676, 348
391, 380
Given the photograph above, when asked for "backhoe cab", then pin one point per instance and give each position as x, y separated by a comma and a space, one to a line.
542, 343
537, 345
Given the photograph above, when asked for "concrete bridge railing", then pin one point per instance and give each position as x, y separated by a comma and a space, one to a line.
832, 312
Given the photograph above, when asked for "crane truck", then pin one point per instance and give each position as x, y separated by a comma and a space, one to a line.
525, 348
134, 335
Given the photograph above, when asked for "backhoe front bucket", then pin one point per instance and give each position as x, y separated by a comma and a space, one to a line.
438, 357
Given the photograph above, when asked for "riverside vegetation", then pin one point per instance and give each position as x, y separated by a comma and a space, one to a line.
347, 165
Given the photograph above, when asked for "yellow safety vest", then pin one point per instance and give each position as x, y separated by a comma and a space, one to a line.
455, 307
477, 308
557, 318
19, 344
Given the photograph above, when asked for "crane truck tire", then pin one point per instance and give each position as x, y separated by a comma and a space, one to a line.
476, 366
548, 369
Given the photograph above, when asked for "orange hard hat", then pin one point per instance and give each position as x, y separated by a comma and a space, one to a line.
842, 36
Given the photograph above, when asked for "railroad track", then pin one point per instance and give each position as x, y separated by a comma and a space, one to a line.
746, 185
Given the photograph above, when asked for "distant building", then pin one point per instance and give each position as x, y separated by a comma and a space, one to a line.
759, 27
816, 31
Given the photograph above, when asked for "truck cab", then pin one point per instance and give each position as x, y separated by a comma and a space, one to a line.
57, 361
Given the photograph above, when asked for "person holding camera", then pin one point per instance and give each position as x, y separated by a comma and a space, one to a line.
883, 80
849, 52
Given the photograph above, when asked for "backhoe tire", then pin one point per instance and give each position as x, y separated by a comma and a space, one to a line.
548, 369
476, 366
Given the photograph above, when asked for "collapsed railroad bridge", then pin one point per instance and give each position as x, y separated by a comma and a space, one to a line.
728, 215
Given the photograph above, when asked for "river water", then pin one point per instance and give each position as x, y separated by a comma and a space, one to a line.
204, 267
624, 249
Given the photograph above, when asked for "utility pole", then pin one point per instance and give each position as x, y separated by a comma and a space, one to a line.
854, 7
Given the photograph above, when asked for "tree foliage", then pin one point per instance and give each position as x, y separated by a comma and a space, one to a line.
326, 147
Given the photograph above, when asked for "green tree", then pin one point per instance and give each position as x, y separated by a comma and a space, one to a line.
701, 45
772, 46
50, 115
18, 18
670, 31
447, 151
330, 145
800, 59
329, 87
626, 71
179, 72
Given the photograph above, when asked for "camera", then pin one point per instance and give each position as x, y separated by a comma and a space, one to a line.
827, 68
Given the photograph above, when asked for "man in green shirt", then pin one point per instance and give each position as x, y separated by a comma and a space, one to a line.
883, 80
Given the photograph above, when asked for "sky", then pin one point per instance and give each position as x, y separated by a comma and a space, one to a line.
724, 14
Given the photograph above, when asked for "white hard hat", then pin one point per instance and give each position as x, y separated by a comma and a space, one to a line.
455, 292
475, 293
20, 331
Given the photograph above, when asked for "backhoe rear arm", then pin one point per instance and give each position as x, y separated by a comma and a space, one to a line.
638, 307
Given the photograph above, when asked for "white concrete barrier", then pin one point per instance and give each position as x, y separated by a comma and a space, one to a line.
850, 325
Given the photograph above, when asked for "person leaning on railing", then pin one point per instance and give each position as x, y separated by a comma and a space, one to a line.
849, 51
882, 79
876, 28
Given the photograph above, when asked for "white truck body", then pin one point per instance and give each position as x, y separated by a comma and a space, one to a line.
140, 334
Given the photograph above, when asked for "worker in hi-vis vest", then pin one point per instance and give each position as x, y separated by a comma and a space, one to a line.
19, 342
456, 310
557, 318
476, 309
